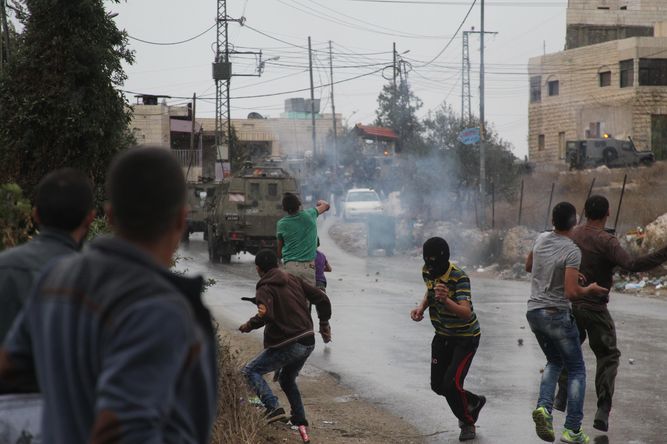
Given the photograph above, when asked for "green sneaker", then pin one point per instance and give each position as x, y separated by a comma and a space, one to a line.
544, 424
570, 437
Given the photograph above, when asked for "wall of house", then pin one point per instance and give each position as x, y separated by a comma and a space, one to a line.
583, 105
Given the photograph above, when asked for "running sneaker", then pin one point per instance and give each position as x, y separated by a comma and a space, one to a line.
570, 437
475, 412
277, 414
544, 424
467, 432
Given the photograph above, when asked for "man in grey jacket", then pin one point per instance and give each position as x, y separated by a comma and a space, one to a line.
122, 348
63, 211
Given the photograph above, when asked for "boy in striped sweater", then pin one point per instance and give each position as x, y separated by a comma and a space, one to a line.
457, 333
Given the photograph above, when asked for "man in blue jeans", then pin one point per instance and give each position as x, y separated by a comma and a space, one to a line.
283, 304
554, 263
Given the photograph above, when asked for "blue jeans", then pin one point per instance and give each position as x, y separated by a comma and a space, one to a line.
558, 336
289, 360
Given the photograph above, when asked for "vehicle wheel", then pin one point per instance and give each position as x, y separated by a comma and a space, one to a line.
186, 237
609, 156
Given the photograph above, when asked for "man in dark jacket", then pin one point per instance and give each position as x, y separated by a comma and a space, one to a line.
600, 254
123, 349
283, 309
63, 211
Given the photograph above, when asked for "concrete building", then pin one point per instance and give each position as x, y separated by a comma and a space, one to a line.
288, 136
612, 79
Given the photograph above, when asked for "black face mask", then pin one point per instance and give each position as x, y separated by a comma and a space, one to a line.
436, 268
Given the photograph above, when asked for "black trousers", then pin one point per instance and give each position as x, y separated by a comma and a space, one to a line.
450, 361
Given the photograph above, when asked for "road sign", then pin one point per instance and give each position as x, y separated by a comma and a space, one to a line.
469, 136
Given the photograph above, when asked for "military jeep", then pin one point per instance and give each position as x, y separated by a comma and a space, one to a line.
247, 207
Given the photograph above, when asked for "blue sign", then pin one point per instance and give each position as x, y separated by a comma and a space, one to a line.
469, 136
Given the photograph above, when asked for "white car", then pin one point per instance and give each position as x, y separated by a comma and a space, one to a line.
362, 202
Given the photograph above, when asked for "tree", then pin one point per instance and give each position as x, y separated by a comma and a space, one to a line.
398, 111
59, 99
442, 129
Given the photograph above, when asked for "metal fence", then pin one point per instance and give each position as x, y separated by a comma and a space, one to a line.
188, 158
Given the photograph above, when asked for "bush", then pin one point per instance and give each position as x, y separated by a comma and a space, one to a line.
238, 421
15, 216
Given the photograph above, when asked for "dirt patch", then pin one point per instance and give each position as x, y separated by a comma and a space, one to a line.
351, 237
336, 414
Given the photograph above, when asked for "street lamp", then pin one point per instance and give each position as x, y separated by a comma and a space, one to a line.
260, 68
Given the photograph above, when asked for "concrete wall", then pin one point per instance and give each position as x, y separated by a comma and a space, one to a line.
150, 124
587, 24
581, 101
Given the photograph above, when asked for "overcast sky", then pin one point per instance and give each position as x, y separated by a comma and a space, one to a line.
362, 33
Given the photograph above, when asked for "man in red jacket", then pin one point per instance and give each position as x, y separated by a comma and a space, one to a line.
283, 309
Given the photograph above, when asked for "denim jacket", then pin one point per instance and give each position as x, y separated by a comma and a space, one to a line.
123, 350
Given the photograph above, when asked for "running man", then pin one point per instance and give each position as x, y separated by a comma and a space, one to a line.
600, 254
554, 263
457, 333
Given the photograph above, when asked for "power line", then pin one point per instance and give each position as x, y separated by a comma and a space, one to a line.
461, 3
452, 38
172, 43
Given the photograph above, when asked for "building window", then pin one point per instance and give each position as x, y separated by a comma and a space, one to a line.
535, 89
627, 71
605, 78
553, 87
653, 72
540, 142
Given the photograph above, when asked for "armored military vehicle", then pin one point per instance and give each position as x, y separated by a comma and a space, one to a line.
591, 153
201, 197
246, 209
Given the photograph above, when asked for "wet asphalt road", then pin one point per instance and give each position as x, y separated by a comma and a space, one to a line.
384, 356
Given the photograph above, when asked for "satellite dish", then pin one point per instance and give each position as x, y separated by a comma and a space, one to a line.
254, 115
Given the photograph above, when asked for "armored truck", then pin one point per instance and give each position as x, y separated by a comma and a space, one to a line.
201, 197
247, 207
591, 153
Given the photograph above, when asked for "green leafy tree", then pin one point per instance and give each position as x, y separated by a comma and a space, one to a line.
59, 99
442, 128
398, 111
15, 219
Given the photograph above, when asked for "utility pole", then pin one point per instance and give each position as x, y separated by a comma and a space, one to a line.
333, 110
312, 98
222, 75
465, 80
394, 74
194, 113
466, 97
482, 130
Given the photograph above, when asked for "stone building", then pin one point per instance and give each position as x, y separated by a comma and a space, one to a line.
611, 79
288, 136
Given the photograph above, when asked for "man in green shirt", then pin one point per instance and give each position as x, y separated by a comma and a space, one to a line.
297, 237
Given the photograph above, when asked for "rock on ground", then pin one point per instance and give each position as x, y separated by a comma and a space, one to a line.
517, 243
656, 235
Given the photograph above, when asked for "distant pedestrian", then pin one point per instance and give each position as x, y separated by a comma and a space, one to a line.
601, 253
554, 263
283, 310
63, 211
297, 237
321, 266
457, 333
123, 348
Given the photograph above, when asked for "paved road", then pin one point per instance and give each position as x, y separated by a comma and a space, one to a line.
384, 356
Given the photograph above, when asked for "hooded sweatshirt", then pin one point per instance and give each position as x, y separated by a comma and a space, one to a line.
283, 308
